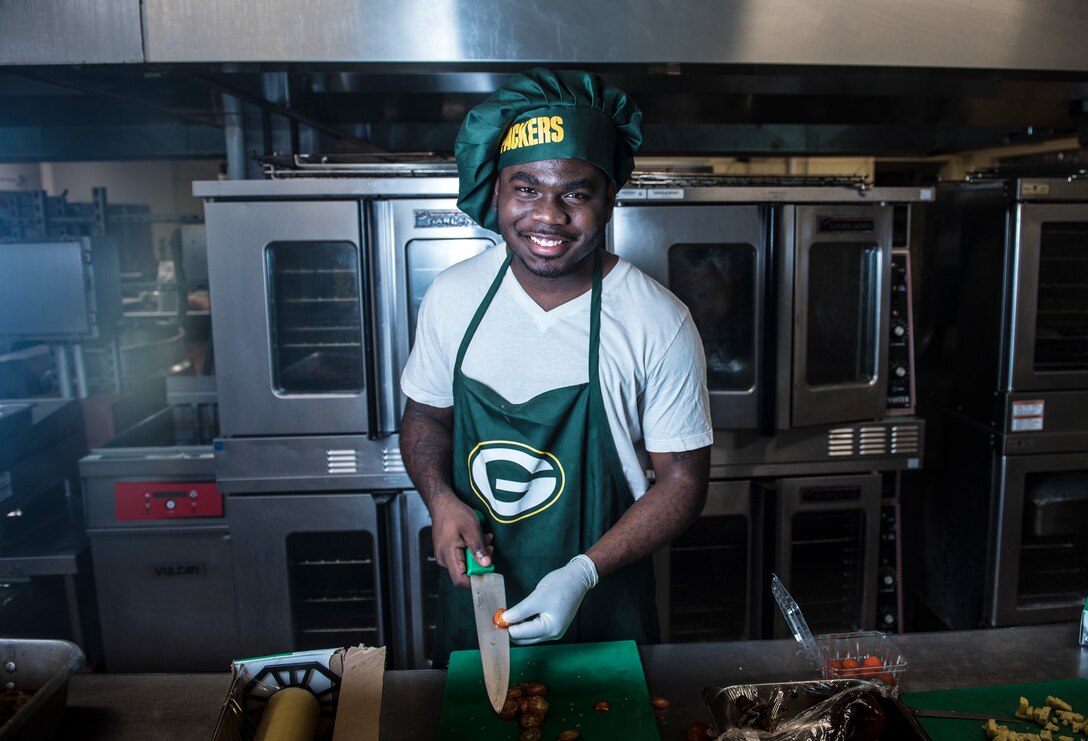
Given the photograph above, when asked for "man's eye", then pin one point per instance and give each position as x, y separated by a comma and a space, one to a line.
577, 196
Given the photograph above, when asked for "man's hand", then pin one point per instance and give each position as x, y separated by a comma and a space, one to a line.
554, 603
454, 527
426, 443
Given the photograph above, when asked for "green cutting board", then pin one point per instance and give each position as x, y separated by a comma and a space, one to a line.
999, 700
577, 675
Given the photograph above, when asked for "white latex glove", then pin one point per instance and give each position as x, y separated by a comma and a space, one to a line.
554, 603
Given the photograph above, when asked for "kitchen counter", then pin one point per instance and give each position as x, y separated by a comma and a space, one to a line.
169, 707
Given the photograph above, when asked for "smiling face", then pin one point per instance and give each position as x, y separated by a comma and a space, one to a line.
552, 215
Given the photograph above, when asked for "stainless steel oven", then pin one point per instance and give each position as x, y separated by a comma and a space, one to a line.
819, 533
998, 519
997, 527
315, 285
160, 540
791, 289
1004, 277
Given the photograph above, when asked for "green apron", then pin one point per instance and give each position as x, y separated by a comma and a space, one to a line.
546, 475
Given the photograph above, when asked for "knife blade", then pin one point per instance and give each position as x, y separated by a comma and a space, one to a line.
962, 715
488, 596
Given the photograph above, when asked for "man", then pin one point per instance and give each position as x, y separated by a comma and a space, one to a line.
547, 375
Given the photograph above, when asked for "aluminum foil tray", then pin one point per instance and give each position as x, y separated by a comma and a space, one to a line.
43, 668
818, 710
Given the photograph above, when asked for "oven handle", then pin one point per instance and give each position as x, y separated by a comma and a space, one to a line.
371, 362
167, 530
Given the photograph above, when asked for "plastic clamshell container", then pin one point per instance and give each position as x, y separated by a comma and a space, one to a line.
837, 647
43, 668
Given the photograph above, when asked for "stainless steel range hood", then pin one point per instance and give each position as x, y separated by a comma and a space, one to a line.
1037, 35
714, 77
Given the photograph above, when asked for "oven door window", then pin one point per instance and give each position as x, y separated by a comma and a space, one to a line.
1061, 328
1054, 547
315, 317
426, 258
843, 314
717, 282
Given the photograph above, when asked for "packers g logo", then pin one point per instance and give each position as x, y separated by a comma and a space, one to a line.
514, 480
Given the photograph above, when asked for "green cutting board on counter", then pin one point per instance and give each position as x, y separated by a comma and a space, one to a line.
999, 700
577, 675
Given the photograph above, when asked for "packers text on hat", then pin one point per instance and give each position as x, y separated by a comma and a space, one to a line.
536, 130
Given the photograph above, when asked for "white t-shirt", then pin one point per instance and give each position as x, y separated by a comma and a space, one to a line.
652, 367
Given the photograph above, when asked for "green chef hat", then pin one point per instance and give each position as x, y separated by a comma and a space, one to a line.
543, 115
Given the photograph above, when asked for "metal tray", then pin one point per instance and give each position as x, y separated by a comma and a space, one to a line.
42, 667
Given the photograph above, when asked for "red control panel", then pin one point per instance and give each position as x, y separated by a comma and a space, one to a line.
166, 500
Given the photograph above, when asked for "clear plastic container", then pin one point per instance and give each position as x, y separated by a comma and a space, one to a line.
864, 655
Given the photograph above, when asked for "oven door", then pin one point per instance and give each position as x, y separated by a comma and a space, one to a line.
1041, 544
708, 578
835, 279
713, 258
289, 311
307, 571
414, 581
825, 535
414, 241
1049, 303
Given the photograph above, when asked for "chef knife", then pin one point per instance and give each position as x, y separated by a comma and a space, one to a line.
489, 595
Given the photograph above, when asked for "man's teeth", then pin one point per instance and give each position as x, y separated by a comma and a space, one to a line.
546, 242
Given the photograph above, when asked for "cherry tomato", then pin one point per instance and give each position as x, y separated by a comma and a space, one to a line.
659, 703
849, 663
888, 679
497, 619
602, 707
698, 731
872, 661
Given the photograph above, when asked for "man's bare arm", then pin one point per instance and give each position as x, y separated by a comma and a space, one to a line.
426, 445
667, 508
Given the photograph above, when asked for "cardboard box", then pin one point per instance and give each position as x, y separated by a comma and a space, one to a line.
346, 681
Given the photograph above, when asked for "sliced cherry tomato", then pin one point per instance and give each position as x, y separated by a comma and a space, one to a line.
497, 619
568, 735
698, 731
602, 706
659, 703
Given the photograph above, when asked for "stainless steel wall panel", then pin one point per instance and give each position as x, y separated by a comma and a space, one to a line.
1002, 34
70, 32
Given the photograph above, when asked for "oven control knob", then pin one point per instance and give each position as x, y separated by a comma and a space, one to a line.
171, 504
899, 371
899, 330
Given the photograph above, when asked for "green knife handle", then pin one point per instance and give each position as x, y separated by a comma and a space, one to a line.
473, 566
